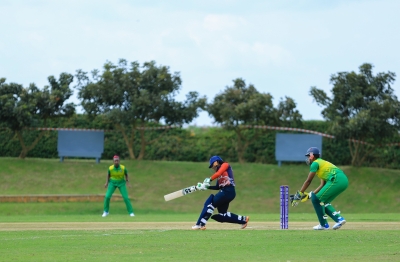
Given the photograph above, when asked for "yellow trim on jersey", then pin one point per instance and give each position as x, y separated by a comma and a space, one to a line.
324, 169
117, 173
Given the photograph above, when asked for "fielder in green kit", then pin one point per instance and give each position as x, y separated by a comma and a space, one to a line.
117, 177
333, 183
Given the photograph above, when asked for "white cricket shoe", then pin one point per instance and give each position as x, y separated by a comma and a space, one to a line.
104, 214
319, 227
197, 227
131, 214
339, 224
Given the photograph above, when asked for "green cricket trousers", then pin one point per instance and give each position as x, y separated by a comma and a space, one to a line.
112, 185
335, 185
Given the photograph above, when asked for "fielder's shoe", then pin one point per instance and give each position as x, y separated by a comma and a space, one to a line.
319, 227
197, 227
104, 214
245, 225
131, 214
339, 224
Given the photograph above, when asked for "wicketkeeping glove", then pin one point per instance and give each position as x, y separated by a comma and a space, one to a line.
299, 196
306, 196
293, 202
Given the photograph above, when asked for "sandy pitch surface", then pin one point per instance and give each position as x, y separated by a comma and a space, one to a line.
185, 226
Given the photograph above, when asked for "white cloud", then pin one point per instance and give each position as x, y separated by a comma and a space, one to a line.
275, 54
220, 39
280, 46
214, 22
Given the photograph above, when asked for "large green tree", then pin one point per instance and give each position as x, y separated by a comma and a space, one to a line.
240, 105
22, 108
132, 96
363, 107
288, 115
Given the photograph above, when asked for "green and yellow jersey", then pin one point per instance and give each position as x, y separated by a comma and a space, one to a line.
117, 173
324, 169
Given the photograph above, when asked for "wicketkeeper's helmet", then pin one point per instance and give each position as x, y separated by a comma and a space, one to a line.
313, 150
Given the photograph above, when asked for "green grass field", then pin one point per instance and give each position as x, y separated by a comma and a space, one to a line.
160, 231
186, 245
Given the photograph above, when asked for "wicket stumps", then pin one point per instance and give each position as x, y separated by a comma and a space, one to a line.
284, 207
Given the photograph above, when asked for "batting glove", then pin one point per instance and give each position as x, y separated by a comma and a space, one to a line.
201, 186
207, 181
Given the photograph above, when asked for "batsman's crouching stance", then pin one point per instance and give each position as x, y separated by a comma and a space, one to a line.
333, 183
226, 186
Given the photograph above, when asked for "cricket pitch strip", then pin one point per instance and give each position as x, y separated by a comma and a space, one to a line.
185, 226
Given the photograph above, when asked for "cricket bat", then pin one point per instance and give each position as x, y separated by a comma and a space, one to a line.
180, 193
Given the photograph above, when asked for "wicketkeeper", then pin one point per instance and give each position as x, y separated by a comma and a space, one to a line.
333, 183
226, 186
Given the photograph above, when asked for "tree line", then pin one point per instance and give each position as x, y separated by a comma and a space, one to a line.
362, 109
192, 144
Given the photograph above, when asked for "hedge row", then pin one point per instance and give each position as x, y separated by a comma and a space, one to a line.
192, 144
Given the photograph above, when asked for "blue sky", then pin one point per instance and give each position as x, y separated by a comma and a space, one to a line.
282, 47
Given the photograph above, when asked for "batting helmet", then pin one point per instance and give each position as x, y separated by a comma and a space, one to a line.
213, 159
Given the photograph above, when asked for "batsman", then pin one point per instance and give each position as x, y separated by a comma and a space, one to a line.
225, 185
333, 183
